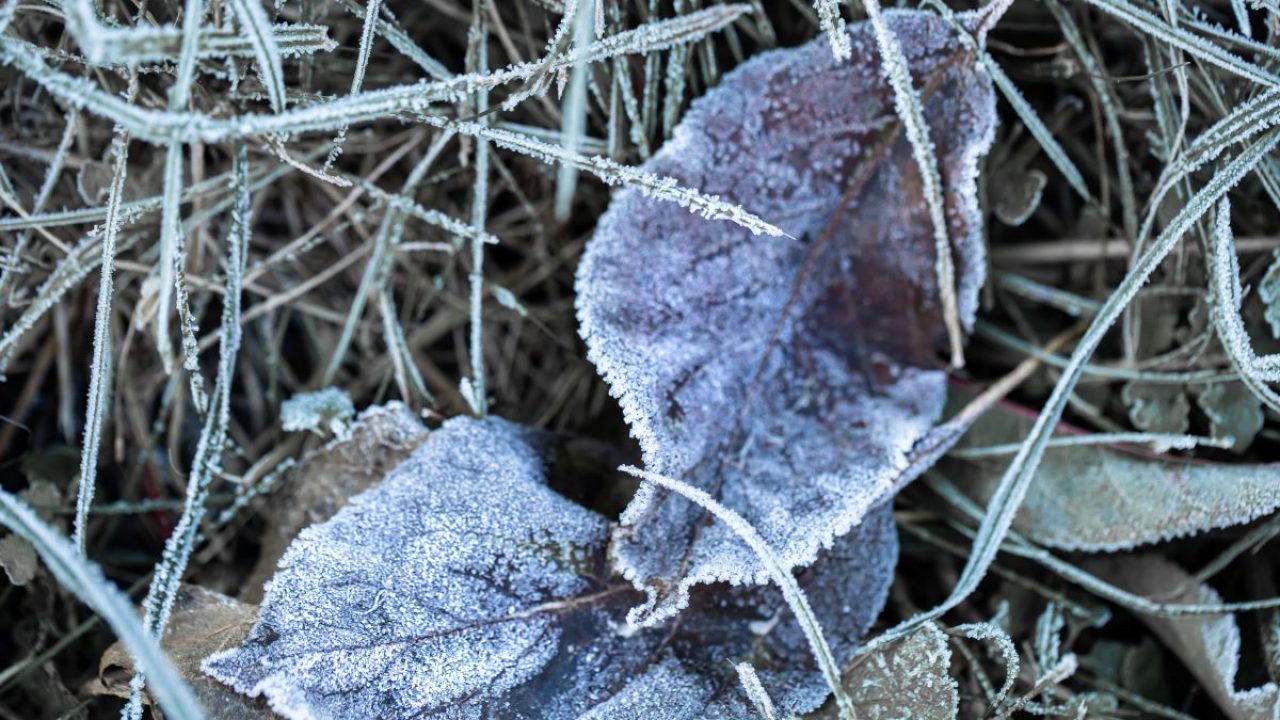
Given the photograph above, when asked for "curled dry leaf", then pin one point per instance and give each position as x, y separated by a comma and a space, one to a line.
1134, 497
203, 623
789, 377
463, 587
328, 477
1208, 645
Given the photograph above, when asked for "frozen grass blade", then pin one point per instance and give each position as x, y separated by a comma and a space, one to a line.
1189, 42
911, 112
390, 30
362, 67
791, 591
86, 581
257, 30
573, 111
614, 173
833, 27
378, 267
208, 456
478, 61
1027, 114
100, 372
42, 196
1109, 102
755, 691
1227, 299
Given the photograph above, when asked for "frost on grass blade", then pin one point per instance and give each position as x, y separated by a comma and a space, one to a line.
1208, 645
1103, 498
463, 587
788, 377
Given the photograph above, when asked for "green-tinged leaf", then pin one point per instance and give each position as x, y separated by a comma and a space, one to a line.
908, 678
1233, 413
1157, 408
1208, 645
1102, 497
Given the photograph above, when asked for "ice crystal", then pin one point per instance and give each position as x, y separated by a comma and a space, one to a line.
789, 377
463, 587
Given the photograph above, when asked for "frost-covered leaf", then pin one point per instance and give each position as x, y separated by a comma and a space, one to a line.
17, 559
905, 680
1016, 194
789, 377
203, 623
1233, 411
1108, 497
326, 478
1208, 645
1157, 408
1269, 292
461, 586
322, 411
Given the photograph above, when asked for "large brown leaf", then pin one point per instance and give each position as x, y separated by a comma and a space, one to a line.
790, 377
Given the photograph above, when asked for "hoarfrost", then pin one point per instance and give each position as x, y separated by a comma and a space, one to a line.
789, 377
1133, 497
320, 411
1208, 645
463, 587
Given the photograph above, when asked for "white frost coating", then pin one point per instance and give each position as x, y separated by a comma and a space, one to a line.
1208, 645
788, 377
462, 587
1136, 498
328, 410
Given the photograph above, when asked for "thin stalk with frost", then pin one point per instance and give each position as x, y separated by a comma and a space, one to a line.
911, 112
208, 456
478, 60
100, 372
1185, 40
573, 110
832, 24
257, 30
755, 691
377, 268
52, 173
612, 173
357, 79
791, 591
1027, 114
1227, 299
85, 580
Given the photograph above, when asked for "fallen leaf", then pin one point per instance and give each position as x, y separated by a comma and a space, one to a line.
327, 411
906, 679
789, 377
1209, 645
1103, 498
203, 623
18, 558
462, 586
1233, 411
326, 478
1157, 408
